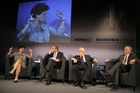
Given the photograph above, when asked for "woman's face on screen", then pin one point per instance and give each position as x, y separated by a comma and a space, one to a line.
41, 17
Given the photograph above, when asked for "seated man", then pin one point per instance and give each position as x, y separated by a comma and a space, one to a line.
81, 62
20, 60
121, 65
52, 61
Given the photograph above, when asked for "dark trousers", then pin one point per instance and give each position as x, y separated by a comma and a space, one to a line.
51, 65
78, 76
116, 70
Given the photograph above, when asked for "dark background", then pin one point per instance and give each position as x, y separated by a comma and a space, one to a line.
90, 10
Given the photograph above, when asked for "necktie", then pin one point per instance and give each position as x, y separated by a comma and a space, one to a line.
82, 58
54, 55
125, 60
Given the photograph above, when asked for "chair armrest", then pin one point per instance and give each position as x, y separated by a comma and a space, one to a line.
29, 66
62, 70
132, 75
94, 66
9, 61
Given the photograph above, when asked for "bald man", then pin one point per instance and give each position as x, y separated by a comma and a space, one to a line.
81, 62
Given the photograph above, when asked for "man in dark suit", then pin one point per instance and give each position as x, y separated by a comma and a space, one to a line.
120, 65
52, 60
83, 63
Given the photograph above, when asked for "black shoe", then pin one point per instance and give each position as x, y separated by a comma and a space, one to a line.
93, 83
82, 85
114, 87
76, 83
40, 79
15, 81
48, 83
10, 76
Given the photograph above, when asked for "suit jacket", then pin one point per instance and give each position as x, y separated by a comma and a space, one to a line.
88, 58
48, 56
121, 58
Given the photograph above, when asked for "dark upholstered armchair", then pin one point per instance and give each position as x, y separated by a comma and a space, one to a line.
25, 72
92, 74
128, 78
57, 74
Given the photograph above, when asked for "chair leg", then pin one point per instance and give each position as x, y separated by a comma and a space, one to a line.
134, 89
5, 77
63, 81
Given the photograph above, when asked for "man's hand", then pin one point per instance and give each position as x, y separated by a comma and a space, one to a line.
132, 61
74, 60
107, 60
50, 51
95, 60
56, 60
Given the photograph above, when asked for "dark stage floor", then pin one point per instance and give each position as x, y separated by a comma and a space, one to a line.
34, 86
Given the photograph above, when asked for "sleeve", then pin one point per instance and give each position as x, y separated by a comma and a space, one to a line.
135, 57
57, 32
76, 57
12, 54
24, 32
117, 59
61, 56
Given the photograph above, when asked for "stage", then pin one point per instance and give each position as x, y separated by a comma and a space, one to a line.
34, 86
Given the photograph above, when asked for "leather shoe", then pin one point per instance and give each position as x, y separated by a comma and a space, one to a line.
114, 87
82, 85
93, 83
48, 83
40, 79
10, 75
76, 84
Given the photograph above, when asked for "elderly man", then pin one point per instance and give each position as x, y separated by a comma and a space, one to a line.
81, 62
121, 65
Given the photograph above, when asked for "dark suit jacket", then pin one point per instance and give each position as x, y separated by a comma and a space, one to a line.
48, 56
121, 58
88, 58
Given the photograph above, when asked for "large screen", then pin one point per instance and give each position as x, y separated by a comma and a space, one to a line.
44, 21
